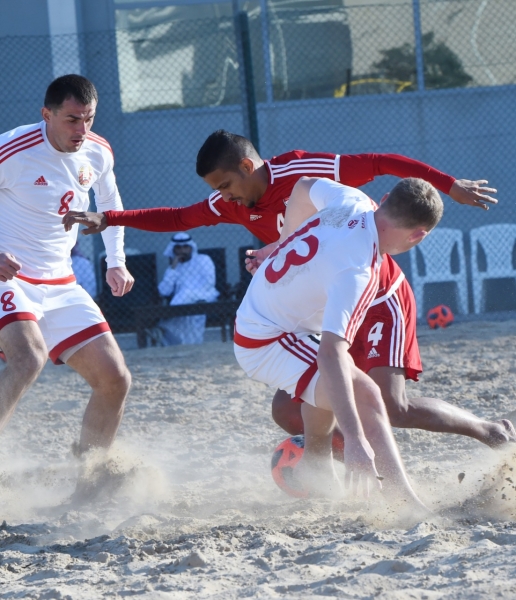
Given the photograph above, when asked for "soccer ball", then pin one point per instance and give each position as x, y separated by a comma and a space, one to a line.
440, 316
284, 459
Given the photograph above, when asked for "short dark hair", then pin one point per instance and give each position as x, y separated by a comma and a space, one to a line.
414, 202
223, 150
70, 86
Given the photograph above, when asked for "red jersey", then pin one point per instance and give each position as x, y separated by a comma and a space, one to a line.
265, 219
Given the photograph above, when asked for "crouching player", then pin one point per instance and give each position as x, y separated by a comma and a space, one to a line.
323, 278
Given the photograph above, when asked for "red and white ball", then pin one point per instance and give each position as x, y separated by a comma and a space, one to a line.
284, 459
439, 316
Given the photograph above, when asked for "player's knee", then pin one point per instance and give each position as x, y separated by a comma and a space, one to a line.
279, 408
29, 363
277, 413
375, 402
122, 380
371, 398
115, 379
287, 414
397, 408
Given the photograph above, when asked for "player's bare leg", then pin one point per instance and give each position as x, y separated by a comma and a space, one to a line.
287, 414
433, 414
315, 470
430, 414
378, 432
102, 365
26, 355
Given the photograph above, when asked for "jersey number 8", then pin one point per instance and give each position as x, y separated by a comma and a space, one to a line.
65, 203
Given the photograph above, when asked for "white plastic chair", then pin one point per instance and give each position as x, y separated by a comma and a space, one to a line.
436, 250
497, 241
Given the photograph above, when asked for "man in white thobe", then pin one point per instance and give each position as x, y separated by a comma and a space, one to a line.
189, 278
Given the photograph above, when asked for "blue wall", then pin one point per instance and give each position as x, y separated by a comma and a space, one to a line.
469, 133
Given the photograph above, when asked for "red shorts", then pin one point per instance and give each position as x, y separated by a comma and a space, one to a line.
387, 337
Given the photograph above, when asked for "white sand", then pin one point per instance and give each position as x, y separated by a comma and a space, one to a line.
190, 509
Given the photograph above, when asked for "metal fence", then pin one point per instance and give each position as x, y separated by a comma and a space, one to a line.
431, 79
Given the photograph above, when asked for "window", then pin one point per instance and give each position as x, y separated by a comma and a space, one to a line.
176, 55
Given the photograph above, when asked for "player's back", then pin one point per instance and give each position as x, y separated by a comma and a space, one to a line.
311, 274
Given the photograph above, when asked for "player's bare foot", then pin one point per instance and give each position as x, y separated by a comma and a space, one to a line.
502, 433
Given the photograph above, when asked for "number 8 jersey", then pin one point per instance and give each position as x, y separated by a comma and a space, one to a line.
323, 277
38, 185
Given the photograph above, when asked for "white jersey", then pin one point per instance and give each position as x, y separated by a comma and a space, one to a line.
38, 185
321, 278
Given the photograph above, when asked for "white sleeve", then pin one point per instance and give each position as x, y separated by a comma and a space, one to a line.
107, 197
325, 193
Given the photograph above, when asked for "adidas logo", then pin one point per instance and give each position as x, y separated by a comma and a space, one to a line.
373, 354
40, 181
255, 217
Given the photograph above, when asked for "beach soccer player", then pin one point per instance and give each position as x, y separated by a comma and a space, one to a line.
254, 193
332, 262
47, 169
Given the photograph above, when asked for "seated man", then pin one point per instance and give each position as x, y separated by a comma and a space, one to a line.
321, 280
189, 278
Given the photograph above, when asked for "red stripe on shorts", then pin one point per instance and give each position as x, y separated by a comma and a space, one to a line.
397, 346
58, 281
294, 351
75, 339
251, 343
19, 316
303, 382
295, 346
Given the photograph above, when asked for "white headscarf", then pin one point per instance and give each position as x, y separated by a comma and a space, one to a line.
179, 239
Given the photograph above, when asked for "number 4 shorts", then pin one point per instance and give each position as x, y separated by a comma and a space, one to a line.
387, 336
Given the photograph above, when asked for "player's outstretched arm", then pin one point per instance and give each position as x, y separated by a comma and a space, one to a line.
9, 266
463, 191
472, 193
94, 222
161, 219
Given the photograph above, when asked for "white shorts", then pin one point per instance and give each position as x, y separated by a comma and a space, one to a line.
289, 363
66, 314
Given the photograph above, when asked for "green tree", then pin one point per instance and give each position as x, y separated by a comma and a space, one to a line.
442, 67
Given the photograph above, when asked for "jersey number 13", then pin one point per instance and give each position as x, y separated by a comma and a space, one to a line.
293, 259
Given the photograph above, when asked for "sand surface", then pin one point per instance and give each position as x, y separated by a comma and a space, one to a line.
188, 508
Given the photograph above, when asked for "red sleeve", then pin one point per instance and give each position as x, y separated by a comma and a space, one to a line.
358, 169
166, 219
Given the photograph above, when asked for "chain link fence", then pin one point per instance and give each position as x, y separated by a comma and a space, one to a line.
430, 79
